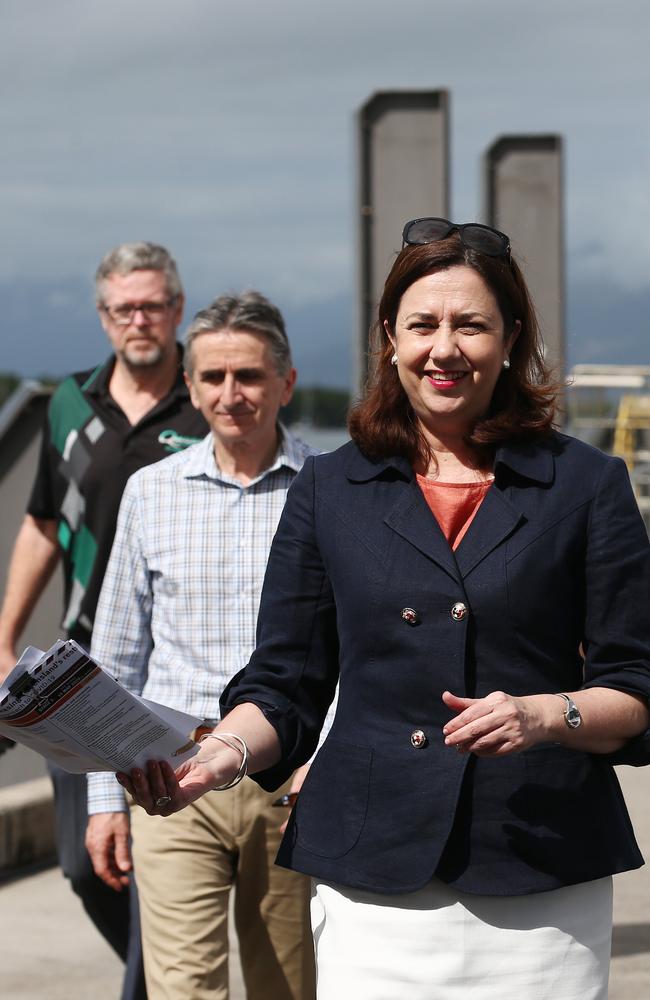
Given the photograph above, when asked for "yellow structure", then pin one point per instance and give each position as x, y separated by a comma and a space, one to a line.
633, 418
623, 429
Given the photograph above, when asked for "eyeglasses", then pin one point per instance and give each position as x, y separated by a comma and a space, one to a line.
472, 234
123, 315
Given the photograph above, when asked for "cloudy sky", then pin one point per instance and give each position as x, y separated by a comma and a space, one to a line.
225, 131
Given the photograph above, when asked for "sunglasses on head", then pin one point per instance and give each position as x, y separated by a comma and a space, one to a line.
472, 234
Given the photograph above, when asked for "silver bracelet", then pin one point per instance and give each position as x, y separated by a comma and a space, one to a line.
227, 739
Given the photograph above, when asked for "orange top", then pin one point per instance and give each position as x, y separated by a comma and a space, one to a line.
454, 505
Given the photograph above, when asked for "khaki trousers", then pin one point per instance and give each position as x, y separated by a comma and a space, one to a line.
185, 866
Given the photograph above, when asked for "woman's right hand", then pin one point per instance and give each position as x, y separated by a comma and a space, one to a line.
162, 791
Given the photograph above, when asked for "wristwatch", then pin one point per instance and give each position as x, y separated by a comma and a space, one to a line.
572, 715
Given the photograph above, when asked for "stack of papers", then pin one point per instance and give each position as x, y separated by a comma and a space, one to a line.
65, 706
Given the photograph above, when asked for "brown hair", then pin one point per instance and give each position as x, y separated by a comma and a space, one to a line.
383, 423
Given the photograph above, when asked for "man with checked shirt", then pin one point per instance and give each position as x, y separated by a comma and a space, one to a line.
176, 619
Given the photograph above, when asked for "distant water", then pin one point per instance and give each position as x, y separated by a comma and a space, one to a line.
323, 438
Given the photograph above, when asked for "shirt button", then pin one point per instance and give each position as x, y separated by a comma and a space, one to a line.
459, 611
418, 739
410, 616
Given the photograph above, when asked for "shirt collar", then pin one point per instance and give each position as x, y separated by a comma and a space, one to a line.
533, 460
360, 469
291, 454
98, 381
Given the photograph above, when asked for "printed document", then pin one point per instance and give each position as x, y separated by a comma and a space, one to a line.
65, 706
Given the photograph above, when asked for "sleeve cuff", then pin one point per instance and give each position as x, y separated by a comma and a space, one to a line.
284, 719
636, 751
105, 794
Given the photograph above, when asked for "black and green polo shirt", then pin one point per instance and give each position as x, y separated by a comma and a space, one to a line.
89, 450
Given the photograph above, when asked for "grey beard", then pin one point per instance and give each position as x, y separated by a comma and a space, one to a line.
138, 361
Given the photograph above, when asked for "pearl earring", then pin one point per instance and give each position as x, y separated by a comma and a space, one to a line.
393, 360
506, 363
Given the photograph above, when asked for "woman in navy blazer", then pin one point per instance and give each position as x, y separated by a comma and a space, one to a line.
477, 584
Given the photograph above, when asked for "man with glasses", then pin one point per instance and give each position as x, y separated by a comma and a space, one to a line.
102, 425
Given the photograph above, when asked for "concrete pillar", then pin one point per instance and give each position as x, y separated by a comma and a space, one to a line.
524, 198
403, 173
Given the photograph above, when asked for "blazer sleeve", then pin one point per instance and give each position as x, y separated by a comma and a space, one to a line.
293, 673
617, 587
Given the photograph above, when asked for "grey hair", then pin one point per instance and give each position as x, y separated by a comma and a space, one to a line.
249, 312
128, 257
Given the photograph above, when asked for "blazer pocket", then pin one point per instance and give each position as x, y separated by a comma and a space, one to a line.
332, 805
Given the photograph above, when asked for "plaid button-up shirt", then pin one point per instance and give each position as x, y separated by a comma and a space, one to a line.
177, 613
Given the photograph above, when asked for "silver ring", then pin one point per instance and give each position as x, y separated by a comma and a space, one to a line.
164, 800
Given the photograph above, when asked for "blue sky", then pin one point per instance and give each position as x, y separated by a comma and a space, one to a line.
225, 131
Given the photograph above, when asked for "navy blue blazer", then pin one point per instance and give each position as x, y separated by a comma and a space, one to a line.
557, 556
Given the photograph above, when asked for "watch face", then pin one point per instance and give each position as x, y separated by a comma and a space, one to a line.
573, 717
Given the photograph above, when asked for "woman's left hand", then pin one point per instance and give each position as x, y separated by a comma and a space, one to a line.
493, 726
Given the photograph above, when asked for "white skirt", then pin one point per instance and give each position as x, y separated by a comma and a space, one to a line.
440, 944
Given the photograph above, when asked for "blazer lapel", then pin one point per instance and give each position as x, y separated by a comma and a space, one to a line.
495, 520
410, 516
497, 517
414, 522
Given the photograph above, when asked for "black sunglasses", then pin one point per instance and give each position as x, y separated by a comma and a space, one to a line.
472, 234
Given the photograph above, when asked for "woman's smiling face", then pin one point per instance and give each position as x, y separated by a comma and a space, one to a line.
450, 344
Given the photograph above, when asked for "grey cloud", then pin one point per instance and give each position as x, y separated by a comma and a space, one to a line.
226, 130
